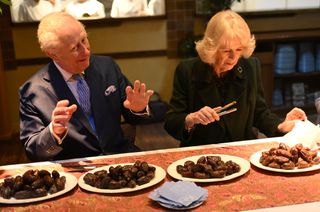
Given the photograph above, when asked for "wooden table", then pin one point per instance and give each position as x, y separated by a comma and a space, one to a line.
257, 189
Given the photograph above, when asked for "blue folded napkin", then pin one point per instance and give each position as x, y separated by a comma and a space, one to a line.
179, 195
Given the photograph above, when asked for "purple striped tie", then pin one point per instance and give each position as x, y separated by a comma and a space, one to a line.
84, 95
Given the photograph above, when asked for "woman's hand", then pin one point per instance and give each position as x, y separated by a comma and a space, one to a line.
204, 116
292, 117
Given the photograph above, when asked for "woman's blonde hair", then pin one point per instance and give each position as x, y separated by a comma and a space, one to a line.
221, 29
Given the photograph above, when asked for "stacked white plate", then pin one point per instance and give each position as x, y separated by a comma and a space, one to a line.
306, 58
285, 59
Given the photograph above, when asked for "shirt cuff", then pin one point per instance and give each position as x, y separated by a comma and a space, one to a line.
56, 137
146, 112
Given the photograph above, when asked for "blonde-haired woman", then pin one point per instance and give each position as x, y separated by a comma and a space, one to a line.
222, 73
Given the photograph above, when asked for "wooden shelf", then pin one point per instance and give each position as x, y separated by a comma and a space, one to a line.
298, 75
288, 35
277, 13
309, 109
267, 13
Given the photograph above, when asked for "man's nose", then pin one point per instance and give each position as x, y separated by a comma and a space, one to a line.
84, 49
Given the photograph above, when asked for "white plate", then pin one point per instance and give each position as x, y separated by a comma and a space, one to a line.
244, 164
255, 160
71, 182
160, 174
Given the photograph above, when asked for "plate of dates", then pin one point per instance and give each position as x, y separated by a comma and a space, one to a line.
122, 178
285, 159
208, 168
35, 185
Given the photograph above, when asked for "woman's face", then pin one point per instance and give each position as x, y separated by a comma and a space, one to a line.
227, 56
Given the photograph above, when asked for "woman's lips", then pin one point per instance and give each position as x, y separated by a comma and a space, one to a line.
230, 64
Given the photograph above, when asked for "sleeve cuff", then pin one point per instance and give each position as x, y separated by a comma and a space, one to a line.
146, 112
56, 137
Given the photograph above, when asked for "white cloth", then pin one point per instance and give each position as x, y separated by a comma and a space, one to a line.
86, 9
15, 4
128, 8
156, 7
304, 132
31, 10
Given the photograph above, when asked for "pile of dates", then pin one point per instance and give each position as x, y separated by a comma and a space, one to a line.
32, 184
208, 167
284, 157
126, 176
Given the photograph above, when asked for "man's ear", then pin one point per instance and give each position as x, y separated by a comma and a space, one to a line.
52, 55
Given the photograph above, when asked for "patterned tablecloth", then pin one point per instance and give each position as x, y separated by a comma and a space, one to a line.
256, 189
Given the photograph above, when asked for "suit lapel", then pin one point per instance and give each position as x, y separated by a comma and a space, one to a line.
237, 87
205, 86
207, 90
236, 91
99, 103
62, 91
92, 77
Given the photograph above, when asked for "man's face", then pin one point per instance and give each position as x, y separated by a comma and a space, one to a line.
73, 50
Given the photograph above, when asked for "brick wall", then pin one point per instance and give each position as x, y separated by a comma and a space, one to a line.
6, 40
180, 21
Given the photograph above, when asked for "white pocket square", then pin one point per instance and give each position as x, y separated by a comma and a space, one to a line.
110, 90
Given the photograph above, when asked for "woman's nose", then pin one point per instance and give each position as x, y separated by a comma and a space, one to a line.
231, 54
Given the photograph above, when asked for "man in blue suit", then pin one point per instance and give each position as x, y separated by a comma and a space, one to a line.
53, 122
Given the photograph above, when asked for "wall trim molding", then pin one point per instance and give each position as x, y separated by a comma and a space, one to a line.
115, 55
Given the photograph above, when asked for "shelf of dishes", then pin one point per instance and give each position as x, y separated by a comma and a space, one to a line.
298, 94
301, 57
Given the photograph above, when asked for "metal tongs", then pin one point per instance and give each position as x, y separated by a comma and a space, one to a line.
223, 111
